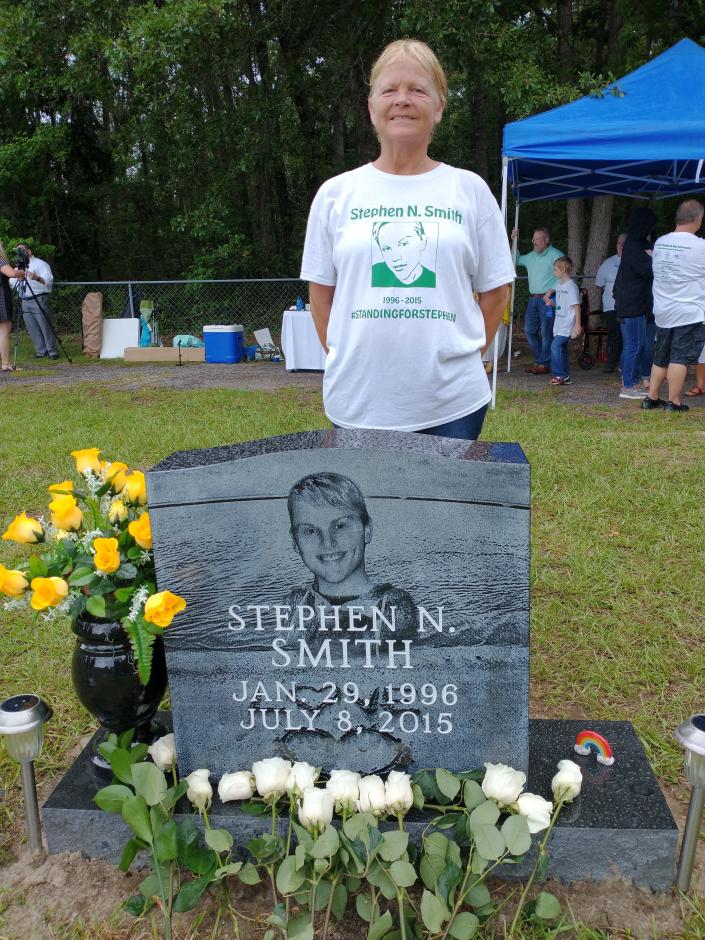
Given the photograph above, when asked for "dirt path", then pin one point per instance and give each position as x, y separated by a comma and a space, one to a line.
589, 386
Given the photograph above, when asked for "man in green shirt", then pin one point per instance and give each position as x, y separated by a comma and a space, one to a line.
538, 319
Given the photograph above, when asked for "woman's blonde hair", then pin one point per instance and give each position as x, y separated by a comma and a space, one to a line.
420, 53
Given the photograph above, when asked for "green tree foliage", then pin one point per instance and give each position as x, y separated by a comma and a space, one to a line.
187, 137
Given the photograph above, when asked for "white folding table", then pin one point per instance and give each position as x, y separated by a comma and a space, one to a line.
300, 343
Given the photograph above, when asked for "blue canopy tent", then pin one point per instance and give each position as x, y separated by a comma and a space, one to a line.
644, 137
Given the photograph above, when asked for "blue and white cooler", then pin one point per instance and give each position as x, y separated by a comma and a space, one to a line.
224, 343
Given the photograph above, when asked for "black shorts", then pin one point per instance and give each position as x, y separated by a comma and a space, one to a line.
679, 344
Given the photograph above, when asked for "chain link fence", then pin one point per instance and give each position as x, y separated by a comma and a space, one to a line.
186, 306
183, 306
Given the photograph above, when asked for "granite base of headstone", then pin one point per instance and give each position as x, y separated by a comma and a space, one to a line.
620, 827
360, 600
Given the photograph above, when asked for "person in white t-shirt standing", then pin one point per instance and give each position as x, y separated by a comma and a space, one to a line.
605, 278
393, 253
566, 320
679, 306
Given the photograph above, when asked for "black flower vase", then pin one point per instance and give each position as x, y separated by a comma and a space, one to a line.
106, 683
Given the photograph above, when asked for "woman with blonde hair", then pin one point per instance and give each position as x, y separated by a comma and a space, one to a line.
6, 272
396, 314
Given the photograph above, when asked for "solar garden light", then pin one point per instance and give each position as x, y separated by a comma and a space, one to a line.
691, 735
22, 719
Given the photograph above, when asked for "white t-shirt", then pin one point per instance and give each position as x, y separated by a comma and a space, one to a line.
567, 295
679, 279
605, 278
37, 266
405, 254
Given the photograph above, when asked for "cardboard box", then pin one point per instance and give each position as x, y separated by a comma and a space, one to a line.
164, 354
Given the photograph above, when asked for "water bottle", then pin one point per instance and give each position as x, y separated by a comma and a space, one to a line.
300, 303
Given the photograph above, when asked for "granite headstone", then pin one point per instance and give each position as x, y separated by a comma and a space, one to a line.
355, 599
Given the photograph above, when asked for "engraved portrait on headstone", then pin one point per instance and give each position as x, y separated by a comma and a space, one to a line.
331, 529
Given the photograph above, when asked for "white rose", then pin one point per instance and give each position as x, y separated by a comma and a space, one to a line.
537, 811
372, 796
199, 792
503, 783
316, 809
567, 782
236, 786
398, 793
271, 777
301, 776
344, 785
163, 752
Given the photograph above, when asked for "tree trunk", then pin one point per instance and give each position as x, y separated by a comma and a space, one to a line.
565, 39
478, 116
598, 243
575, 210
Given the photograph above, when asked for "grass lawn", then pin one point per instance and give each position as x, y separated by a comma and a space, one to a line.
617, 529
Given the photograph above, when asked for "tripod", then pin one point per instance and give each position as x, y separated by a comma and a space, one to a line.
21, 287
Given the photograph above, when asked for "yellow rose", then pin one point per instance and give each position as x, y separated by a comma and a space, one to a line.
65, 513
48, 592
25, 530
135, 488
87, 459
65, 487
13, 583
115, 473
117, 511
161, 608
141, 531
107, 556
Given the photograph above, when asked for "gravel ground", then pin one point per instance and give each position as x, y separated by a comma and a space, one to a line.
589, 386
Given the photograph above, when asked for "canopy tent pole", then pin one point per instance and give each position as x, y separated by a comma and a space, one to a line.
505, 174
515, 251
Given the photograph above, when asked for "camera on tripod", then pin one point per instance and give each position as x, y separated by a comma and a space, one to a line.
21, 259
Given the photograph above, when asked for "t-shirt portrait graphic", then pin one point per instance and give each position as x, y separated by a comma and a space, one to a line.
407, 249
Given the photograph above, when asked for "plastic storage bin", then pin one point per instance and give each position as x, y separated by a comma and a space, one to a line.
224, 343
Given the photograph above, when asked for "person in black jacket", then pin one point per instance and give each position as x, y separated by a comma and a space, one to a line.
634, 298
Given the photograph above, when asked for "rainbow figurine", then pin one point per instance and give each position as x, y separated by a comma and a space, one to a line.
587, 741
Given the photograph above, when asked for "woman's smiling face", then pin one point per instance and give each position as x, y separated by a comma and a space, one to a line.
404, 104
330, 539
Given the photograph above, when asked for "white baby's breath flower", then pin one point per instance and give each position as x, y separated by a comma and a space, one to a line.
93, 483
87, 540
145, 558
137, 603
14, 604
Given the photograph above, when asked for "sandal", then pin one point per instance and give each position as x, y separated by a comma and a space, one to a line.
559, 381
10, 369
695, 391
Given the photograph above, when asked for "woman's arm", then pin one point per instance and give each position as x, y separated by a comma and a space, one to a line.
9, 271
492, 304
321, 297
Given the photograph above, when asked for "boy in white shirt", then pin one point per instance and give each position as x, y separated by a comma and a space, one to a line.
566, 323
